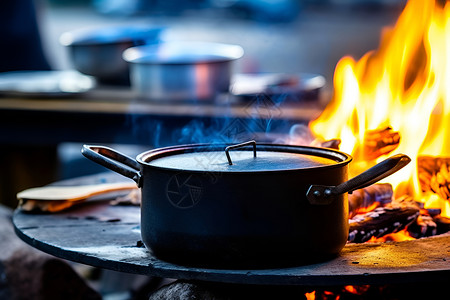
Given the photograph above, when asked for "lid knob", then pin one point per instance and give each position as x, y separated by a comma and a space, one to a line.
227, 149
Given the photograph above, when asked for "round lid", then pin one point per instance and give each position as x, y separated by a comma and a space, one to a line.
267, 158
175, 53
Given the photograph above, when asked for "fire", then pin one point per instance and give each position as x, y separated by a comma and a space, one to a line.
311, 296
400, 236
404, 85
356, 290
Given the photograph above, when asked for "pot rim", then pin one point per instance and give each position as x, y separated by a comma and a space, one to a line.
109, 35
341, 159
182, 53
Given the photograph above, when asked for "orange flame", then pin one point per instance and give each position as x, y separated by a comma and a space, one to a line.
402, 235
356, 290
310, 296
404, 84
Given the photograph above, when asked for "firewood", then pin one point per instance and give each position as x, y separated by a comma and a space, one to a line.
380, 142
391, 218
443, 224
424, 226
434, 175
372, 196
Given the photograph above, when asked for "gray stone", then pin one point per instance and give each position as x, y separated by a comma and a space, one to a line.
184, 290
27, 273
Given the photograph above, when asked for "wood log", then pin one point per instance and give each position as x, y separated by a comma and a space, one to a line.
391, 218
443, 224
434, 175
380, 142
424, 226
372, 196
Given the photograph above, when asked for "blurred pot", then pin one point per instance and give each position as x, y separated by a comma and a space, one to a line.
97, 51
179, 71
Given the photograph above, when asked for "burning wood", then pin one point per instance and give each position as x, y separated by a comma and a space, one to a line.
423, 227
380, 142
369, 198
443, 224
434, 175
391, 218
403, 84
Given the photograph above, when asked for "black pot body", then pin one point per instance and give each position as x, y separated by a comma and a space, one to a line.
265, 212
261, 219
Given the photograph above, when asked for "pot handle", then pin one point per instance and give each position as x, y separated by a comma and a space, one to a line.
323, 195
227, 149
114, 161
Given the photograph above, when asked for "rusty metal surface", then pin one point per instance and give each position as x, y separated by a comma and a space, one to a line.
98, 234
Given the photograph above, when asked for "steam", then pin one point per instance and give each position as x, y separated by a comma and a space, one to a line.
256, 123
261, 119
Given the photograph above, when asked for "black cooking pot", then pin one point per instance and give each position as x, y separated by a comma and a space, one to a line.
261, 205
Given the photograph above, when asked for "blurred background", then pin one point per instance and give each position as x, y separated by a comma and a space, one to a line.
277, 35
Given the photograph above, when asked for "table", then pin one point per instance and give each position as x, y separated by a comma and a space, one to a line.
115, 115
106, 236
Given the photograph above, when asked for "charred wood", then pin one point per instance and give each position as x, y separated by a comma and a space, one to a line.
380, 142
391, 218
372, 196
443, 224
424, 226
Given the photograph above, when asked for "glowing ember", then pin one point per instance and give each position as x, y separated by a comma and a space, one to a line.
403, 86
356, 290
311, 296
400, 236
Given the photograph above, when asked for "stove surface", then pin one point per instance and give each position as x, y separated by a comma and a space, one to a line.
101, 235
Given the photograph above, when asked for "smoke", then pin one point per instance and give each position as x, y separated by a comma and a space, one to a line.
261, 118
255, 122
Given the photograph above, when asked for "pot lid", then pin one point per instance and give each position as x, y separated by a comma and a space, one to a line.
267, 158
176, 53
